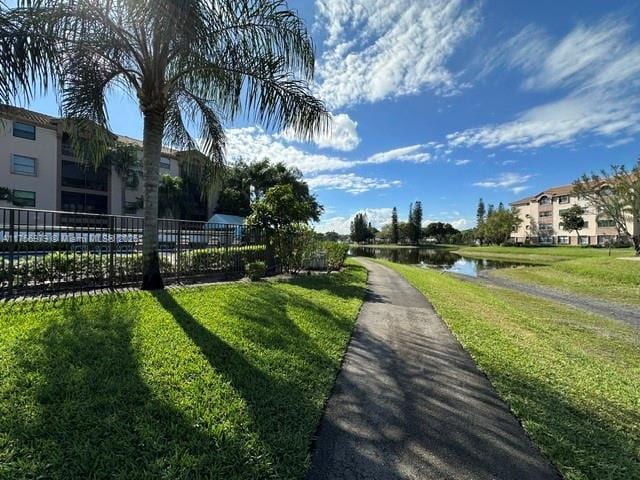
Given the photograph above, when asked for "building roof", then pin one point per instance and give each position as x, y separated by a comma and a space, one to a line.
227, 219
550, 192
49, 121
522, 201
166, 151
30, 116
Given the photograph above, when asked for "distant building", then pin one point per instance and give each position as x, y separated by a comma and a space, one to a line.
542, 223
37, 164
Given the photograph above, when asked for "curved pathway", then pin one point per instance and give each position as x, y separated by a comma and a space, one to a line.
409, 403
623, 313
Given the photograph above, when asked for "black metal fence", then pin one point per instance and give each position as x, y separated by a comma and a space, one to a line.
51, 251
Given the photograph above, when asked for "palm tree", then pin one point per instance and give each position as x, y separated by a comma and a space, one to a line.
125, 162
191, 65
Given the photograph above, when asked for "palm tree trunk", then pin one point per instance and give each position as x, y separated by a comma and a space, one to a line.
152, 147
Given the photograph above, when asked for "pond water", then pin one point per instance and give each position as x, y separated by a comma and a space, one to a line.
437, 258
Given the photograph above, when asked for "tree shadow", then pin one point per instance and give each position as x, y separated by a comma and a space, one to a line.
75, 406
282, 412
434, 415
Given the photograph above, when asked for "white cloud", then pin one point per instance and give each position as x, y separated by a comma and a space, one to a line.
377, 216
350, 182
378, 49
514, 182
462, 162
253, 144
343, 135
594, 69
412, 153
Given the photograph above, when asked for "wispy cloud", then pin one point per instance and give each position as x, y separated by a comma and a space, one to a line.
462, 162
514, 182
377, 49
412, 153
595, 70
350, 182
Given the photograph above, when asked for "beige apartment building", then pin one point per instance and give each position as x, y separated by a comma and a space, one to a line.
37, 164
542, 223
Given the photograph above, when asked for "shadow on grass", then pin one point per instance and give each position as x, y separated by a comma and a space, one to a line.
74, 405
281, 373
74, 402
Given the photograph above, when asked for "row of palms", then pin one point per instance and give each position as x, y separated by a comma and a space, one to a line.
192, 65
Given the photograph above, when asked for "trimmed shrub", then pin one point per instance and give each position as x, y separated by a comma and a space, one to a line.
255, 270
336, 255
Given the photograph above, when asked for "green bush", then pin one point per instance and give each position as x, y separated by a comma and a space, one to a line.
255, 270
336, 255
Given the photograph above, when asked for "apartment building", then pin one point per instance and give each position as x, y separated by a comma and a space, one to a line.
37, 165
542, 223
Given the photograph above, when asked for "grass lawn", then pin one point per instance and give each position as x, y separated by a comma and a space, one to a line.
571, 378
225, 381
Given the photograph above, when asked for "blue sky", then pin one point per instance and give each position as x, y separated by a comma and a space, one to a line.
447, 101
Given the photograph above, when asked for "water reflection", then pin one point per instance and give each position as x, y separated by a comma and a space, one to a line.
437, 258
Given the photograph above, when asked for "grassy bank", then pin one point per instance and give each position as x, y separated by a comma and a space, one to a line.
390, 246
541, 255
572, 379
606, 278
222, 381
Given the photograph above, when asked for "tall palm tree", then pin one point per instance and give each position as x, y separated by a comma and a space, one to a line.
191, 65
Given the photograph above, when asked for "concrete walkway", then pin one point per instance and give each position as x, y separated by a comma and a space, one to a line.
410, 403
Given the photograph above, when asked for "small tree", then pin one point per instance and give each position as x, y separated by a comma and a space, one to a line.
499, 225
480, 213
284, 218
395, 232
440, 231
360, 230
615, 194
572, 220
416, 220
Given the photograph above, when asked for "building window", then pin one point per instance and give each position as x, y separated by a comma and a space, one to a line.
545, 201
165, 163
563, 240
586, 225
84, 202
545, 214
24, 130
605, 239
22, 198
21, 165
563, 199
585, 240
77, 175
606, 223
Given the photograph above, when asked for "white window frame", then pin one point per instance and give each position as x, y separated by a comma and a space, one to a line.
35, 165
568, 197
563, 240
13, 131
167, 165
585, 240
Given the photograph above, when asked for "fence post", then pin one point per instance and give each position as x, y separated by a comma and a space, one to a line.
179, 259
12, 246
112, 248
